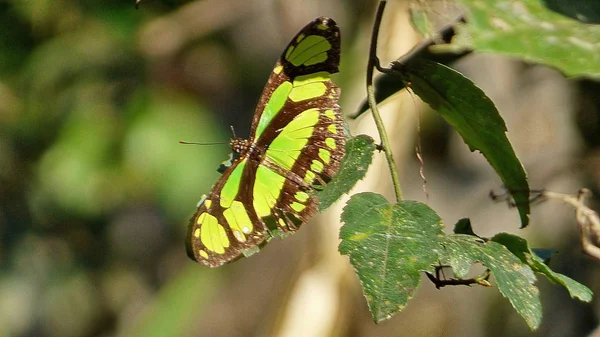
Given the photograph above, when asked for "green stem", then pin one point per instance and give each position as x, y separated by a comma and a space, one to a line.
385, 142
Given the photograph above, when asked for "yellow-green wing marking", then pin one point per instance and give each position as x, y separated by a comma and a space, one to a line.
296, 143
223, 228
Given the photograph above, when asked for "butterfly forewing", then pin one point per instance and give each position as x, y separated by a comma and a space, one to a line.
296, 143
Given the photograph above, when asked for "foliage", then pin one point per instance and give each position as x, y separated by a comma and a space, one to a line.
530, 31
390, 244
359, 154
473, 115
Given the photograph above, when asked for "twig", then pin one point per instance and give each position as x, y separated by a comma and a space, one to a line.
481, 280
373, 62
535, 196
587, 219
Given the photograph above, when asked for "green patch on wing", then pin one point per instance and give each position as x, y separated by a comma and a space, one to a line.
273, 106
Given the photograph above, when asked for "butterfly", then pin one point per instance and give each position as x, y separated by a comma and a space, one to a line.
295, 147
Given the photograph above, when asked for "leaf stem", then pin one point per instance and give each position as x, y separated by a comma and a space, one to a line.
373, 62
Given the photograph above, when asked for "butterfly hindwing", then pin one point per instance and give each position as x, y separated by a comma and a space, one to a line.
296, 143
223, 228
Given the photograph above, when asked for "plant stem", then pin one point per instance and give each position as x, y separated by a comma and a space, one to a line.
385, 143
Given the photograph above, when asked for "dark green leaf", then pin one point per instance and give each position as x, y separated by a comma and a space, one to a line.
463, 226
388, 84
389, 246
582, 10
385, 86
358, 157
513, 278
519, 247
544, 253
464, 106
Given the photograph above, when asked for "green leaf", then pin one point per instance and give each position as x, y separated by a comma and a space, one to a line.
519, 247
514, 278
544, 253
356, 161
390, 83
385, 86
528, 30
389, 246
421, 22
473, 115
463, 226
581, 10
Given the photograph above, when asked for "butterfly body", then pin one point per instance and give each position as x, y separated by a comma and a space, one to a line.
296, 144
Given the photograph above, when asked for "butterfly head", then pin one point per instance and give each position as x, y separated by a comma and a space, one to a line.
239, 145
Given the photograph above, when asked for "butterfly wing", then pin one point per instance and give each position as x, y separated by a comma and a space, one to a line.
299, 123
297, 141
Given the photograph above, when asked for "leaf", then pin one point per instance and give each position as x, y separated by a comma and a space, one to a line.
528, 30
463, 226
513, 278
390, 83
520, 248
385, 86
429, 26
356, 161
421, 21
544, 253
582, 10
389, 246
473, 115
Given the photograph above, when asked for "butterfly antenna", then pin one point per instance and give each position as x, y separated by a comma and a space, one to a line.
197, 143
233, 131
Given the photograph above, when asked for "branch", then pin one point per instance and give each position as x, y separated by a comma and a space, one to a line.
587, 219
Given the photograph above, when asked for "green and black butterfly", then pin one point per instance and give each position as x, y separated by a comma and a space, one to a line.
296, 145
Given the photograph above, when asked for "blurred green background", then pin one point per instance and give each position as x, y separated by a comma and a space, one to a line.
95, 191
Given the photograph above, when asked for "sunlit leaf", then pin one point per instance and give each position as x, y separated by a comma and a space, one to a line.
513, 278
389, 246
528, 30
